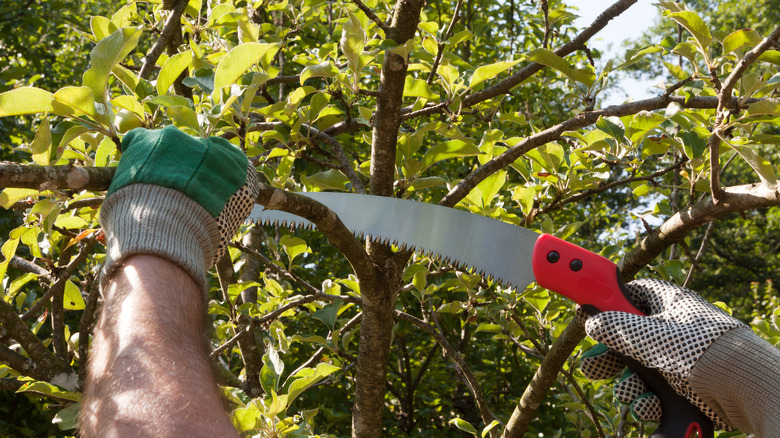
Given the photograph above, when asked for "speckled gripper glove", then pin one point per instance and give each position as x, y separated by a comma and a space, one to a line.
178, 197
707, 356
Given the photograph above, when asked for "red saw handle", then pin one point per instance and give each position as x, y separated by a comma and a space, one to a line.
594, 282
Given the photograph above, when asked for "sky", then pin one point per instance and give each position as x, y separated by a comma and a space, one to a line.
627, 25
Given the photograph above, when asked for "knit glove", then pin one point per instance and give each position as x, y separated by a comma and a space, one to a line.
177, 197
679, 327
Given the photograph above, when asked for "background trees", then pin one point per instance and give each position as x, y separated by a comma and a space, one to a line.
482, 105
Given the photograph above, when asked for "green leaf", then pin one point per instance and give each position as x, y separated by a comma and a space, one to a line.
172, 69
447, 150
10, 195
72, 299
307, 377
491, 186
770, 56
8, 250
74, 101
294, 246
328, 314
324, 69
493, 424
68, 418
525, 197
633, 56
693, 24
463, 425
741, 39
612, 126
759, 164
202, 78
352, 43
41, 146
50, 390
272, 370
538, 300
99, 27
331, 179
238, 61
490, 71
418, 88
183, 117
105, 55
693, 144
687, 50
25, 100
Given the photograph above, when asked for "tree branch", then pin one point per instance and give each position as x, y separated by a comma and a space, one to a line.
484, 410
58, 286
173, 21
67, 177
545, 376
560, 203
733, 199
372, 16
554, 133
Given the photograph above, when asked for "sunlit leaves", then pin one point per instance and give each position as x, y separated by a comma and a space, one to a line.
25, 100
105, 55
352, 43
695, 25
238, 61
41, 144
171, 70
490, 71
740, 39
74, 101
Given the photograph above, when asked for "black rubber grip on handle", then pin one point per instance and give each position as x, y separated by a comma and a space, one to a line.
680, 417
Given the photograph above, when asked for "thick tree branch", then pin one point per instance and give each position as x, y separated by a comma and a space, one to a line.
554, 133
327, 223
379, 292
733, 199
545, 376
55, 177
171, 24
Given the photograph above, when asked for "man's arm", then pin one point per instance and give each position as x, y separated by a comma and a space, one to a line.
173, 205
149, 371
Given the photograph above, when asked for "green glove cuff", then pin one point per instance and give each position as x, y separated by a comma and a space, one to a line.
170, 158
149, 219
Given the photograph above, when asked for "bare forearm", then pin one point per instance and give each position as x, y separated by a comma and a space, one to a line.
149, 372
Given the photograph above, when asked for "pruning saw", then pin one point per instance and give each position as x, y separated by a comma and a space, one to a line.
510, 254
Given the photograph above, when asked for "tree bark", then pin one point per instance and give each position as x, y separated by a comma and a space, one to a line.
379, 295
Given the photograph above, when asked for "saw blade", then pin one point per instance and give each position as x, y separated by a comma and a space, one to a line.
494, 248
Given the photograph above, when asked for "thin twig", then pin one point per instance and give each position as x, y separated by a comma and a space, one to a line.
487, 415
371, 15
559, 204
62, 277
442, 44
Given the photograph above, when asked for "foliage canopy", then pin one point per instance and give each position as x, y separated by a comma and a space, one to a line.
487, 106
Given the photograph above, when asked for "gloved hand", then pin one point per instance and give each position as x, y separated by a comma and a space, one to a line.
177, 197
679, 329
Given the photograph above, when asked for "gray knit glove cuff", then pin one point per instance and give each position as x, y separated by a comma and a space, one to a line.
154, 220
739, 378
